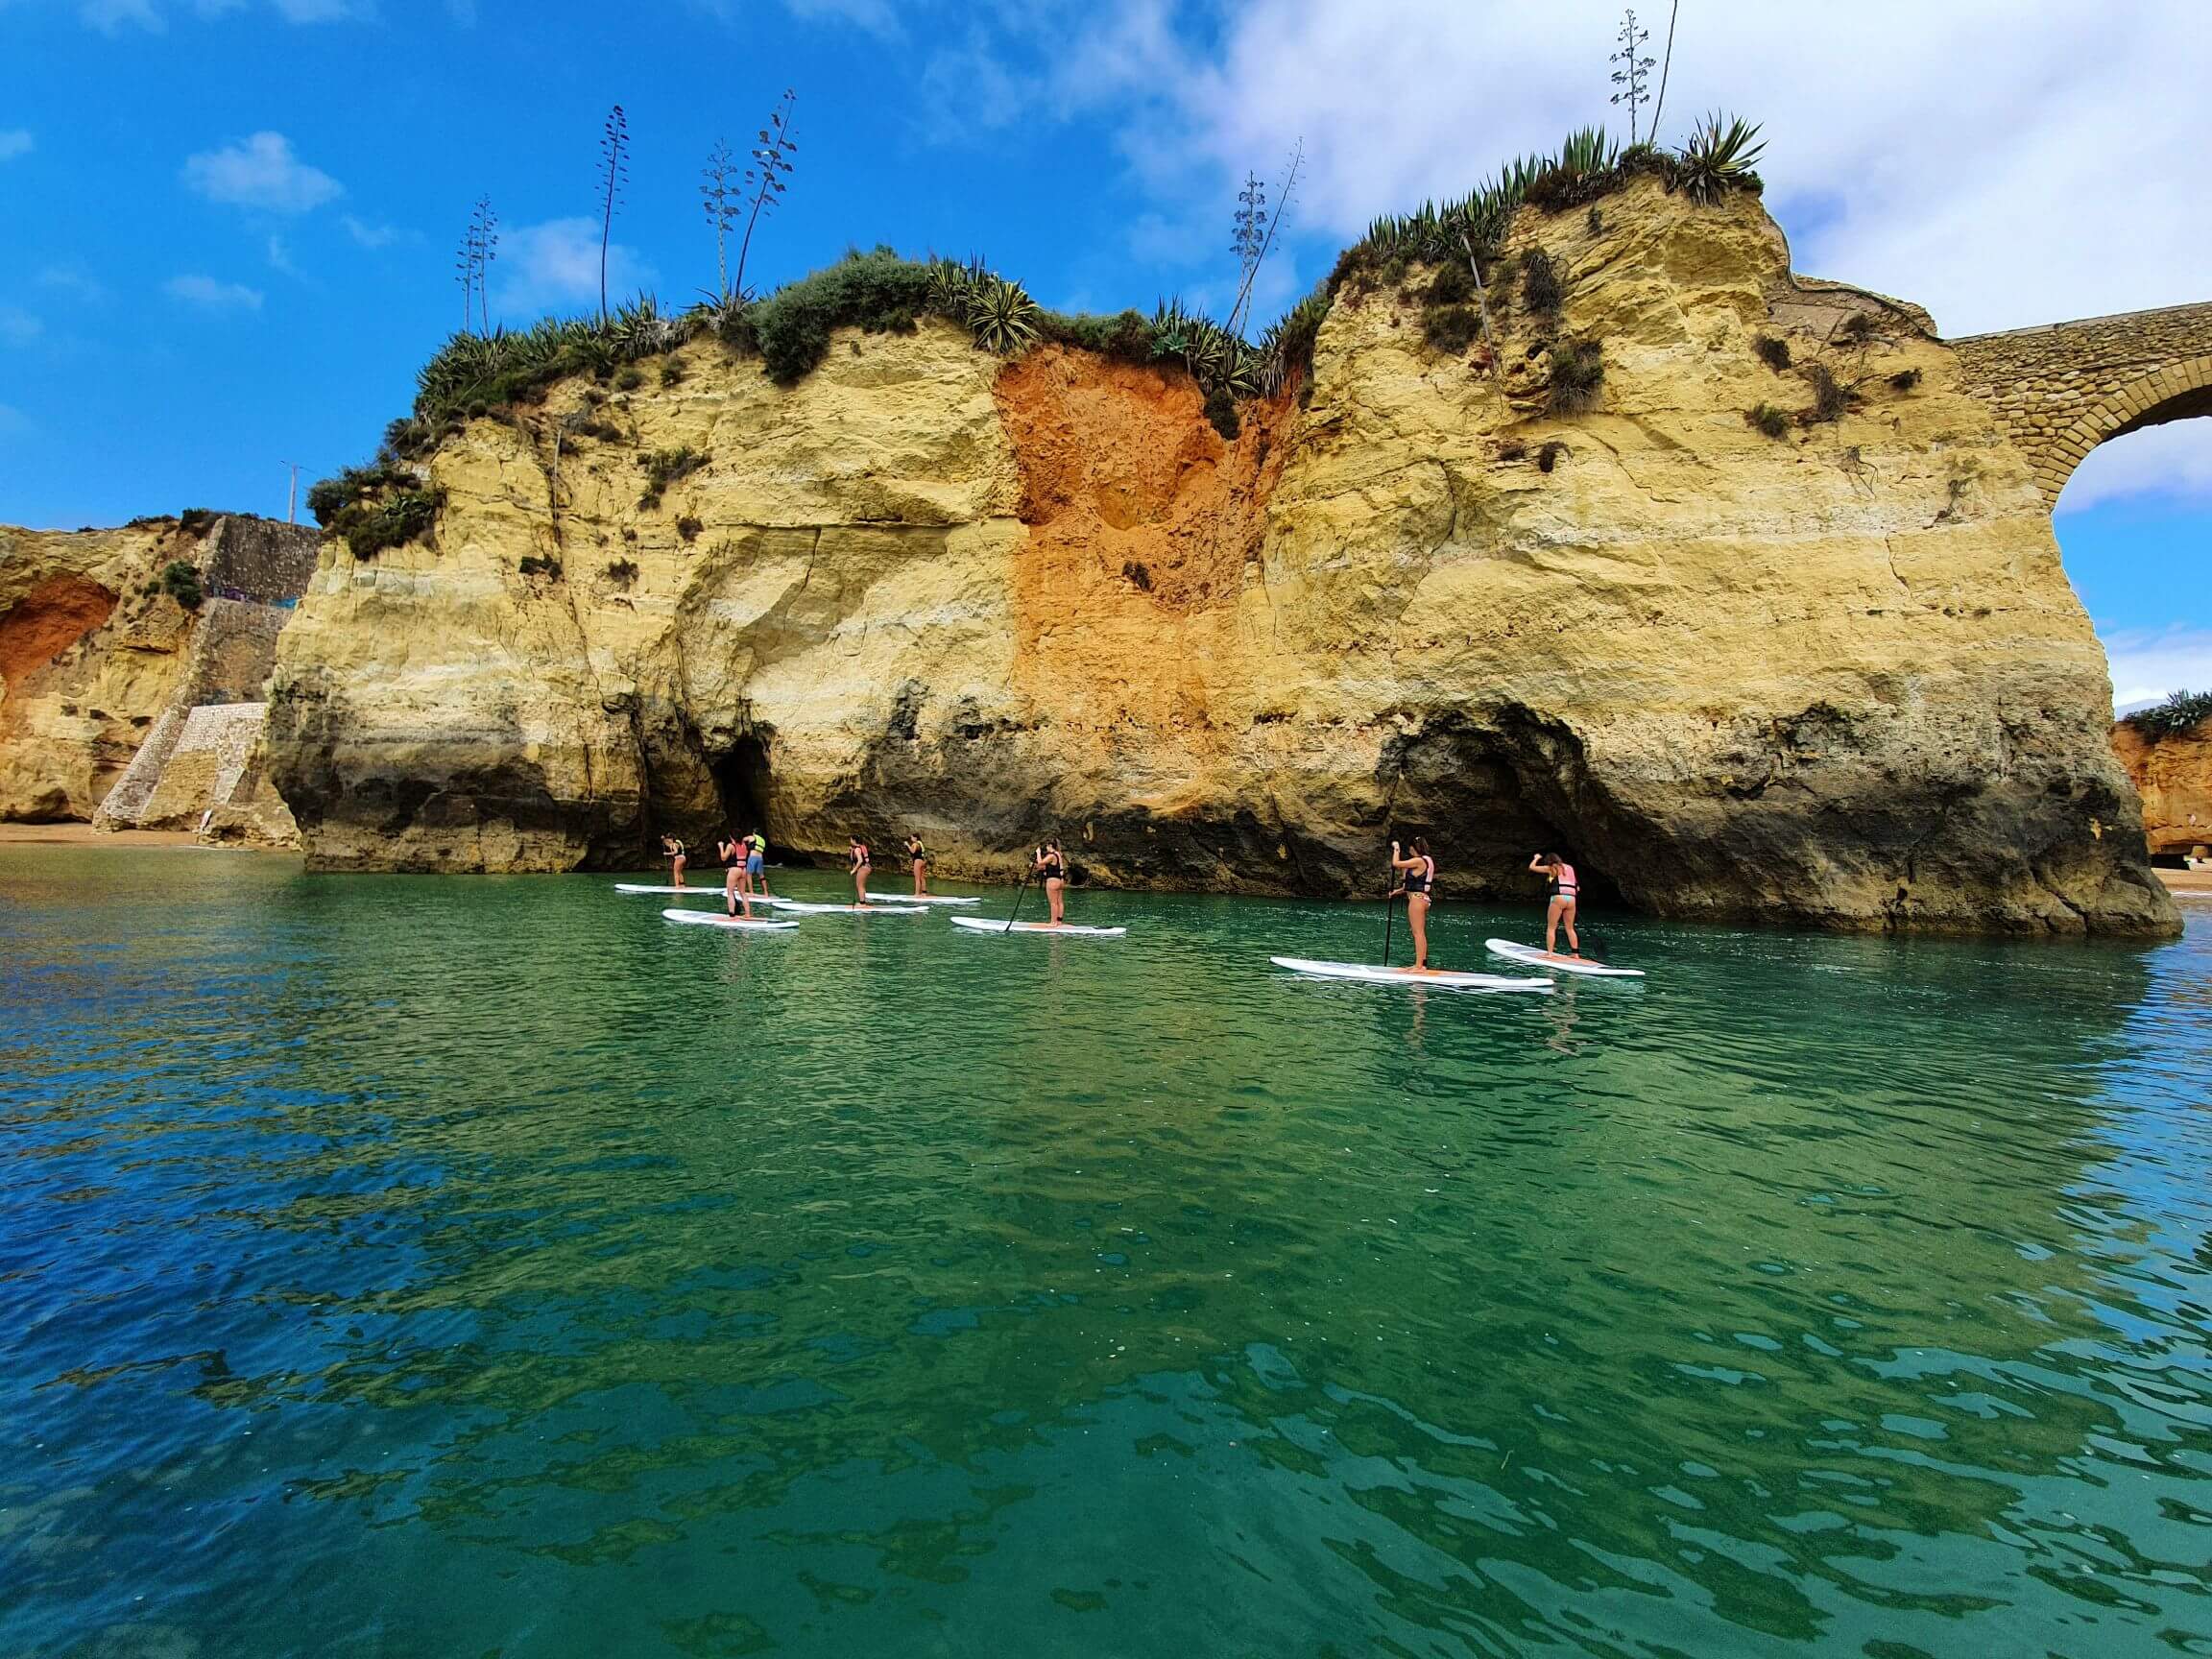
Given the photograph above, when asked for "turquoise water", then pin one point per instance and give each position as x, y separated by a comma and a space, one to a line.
472, 1266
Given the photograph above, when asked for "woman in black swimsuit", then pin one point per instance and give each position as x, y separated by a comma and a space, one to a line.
919, 857
672, 850
859, 869
1419, 885
1052, 867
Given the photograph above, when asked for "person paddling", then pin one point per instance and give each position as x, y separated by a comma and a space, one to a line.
859, 856
736, 887
1560, 911
1418, 883
918, 857
672, 850
1052, 870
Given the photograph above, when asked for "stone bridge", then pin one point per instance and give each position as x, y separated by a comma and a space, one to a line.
2064, 388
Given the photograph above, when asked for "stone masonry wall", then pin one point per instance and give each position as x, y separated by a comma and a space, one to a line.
2064, 388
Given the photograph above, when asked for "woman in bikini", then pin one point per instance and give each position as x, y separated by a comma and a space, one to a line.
672, 850
1561, 910
860, 870
1052, 867
1418, 882
919, 857
736, 885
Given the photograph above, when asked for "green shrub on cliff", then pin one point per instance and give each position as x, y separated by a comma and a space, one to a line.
664, 466
879, 293
181, 581
1577, 373
376, 507
2181, 711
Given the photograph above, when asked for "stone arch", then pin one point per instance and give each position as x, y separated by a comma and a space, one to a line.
2060, 389
2175, 392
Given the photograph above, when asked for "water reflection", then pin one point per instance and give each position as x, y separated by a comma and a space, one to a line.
614, 1289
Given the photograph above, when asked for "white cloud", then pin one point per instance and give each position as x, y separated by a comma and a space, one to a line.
555, 265
280, 257
260, 172
73, 280
2173, 460
14, 141
2148, 664
879, 17
373, 235
17, 326
213, 295
113, 16
109, 16
2006, 164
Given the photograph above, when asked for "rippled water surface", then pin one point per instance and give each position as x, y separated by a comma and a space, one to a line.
410, 1266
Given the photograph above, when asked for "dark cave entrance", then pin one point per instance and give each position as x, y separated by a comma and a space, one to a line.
742, 786
1490, 794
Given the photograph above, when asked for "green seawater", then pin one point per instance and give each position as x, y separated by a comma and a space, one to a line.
405, 1267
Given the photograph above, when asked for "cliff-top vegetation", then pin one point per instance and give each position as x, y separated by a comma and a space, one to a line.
491, 373
2181, 711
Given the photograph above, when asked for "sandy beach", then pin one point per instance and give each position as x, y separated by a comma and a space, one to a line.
84, 836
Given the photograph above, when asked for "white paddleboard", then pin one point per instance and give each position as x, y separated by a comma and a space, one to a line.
1536, 958
984, 925
743, 924
698, 889
1369, 972
925, 899
801, 908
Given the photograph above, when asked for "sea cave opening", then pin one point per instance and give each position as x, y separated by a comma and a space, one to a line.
743, 784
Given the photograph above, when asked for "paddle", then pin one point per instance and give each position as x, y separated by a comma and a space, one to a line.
1389, 905
1017, 892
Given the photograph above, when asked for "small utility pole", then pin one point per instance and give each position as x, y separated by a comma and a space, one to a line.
292, 503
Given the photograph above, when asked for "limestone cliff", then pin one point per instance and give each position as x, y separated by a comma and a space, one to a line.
2173, 773
88, 660
107, 679
1831, 676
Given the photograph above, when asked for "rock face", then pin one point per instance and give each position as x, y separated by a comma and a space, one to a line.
1835, 677
87, 660
106, 684
2173, 775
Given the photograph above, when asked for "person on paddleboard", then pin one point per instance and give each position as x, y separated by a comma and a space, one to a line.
860, 856
1560, 911
1052, 870
672, 850
757, 863
918, 857
737, 886
1418, 882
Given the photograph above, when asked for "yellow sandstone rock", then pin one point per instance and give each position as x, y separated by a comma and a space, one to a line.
87, 660
1835, 677
2173, 773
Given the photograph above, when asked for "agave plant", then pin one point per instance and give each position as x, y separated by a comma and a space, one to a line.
1719, 159
1001, 314
640, 328
1587, 151
1171, 329
720, 315
953, 284
1210, 353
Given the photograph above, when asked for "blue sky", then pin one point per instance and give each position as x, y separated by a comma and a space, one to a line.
232, 222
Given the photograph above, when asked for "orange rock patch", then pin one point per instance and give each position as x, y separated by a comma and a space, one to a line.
1140, 522
47, 621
